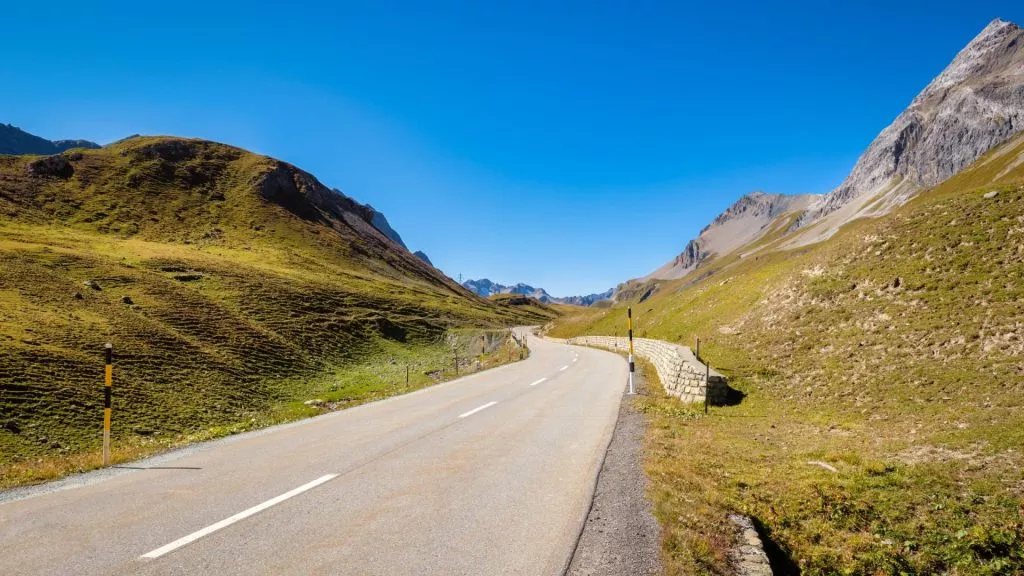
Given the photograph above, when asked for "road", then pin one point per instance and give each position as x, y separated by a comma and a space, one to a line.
490, 474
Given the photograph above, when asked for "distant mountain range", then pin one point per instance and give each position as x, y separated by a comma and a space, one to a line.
485, 288
14, 140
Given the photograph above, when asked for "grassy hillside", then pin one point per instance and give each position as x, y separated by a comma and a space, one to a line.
893, 353
231, 285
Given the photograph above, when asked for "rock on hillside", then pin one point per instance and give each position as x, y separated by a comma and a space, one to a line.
747, 220
485, 288
14, 140
975, 104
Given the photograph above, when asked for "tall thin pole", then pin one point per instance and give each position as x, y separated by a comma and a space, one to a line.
108, 382
632, 366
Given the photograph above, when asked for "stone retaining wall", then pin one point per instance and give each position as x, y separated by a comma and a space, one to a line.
681, 374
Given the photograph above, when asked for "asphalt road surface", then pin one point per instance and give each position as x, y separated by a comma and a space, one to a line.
490, 474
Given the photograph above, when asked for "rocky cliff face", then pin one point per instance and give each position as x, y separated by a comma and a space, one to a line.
750, 218
975, 104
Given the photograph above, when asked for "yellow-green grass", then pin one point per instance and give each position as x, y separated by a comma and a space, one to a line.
231, 285
891, 352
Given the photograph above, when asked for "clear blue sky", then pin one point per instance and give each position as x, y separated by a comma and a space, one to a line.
570, 145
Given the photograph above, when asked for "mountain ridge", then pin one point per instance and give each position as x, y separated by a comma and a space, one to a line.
975, 104
486, 288
15, 141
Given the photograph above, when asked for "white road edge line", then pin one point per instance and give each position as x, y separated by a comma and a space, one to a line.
477, 409
566, 367
537, 382
237, 517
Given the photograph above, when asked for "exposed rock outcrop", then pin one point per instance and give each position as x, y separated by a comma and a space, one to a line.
975, 104
747, 220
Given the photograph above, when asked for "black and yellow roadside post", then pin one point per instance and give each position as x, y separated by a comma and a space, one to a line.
108, 382
632, 366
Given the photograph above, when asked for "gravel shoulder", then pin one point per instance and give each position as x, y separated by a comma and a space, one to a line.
621, 535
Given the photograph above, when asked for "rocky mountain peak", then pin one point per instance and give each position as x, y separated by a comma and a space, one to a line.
755, 204
973, 59
973, 105
743, 222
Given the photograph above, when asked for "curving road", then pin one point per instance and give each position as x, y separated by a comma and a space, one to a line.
490, 474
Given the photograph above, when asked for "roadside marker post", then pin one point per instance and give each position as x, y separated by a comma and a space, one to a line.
108, 382
632, 366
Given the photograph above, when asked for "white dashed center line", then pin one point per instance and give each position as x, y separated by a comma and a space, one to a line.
185, 540
477, 409
537, 382
566, 367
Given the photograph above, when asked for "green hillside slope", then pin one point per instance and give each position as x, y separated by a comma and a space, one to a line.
233, 286
893, 353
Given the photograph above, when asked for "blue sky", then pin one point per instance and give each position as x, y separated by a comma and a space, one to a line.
569, 145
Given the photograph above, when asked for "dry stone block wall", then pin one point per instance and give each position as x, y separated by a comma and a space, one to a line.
681, 374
